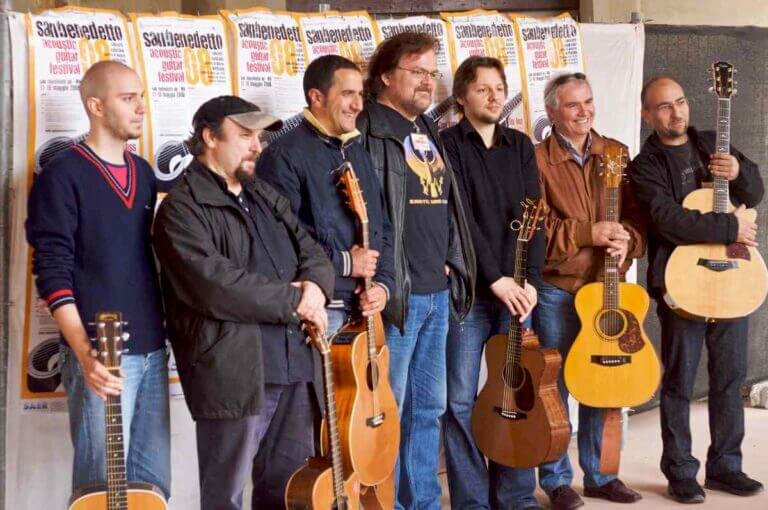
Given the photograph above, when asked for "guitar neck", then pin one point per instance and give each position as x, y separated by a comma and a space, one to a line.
333, 429
611, 283
116, 483
723, 146
515, 337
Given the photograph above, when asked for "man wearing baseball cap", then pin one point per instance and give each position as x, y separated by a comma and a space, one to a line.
239, 274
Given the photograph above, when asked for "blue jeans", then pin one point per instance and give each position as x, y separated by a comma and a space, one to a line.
471, 483
556, 323
146, 421
336, 319
417, 375
681, 344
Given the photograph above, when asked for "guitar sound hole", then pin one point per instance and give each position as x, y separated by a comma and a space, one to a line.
373, 376
611, 323
514, 375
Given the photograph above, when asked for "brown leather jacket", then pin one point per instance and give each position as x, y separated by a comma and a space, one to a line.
576, 200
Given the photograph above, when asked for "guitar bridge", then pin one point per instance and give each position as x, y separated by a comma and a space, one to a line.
510, 415
611, 361
375, 421
718, 265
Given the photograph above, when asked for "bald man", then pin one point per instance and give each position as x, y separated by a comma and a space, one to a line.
674, 161
89, 217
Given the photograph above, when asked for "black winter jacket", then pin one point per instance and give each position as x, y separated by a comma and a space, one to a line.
670, 225
388, 156
215, 301
300, 165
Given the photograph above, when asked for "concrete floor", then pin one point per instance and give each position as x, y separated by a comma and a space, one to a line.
640, 463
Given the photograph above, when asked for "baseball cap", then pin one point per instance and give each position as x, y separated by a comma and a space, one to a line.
236, 109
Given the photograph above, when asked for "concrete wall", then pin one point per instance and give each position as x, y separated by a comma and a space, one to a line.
187, 6
679, 12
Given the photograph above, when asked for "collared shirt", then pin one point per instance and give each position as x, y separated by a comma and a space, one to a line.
287, 357
494, 181
580, 159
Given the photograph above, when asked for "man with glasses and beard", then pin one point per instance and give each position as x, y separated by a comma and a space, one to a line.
239, 274
434, 258
674, 161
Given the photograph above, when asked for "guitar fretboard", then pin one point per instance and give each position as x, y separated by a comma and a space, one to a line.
116, 483
723, 145
611, 283
333, 430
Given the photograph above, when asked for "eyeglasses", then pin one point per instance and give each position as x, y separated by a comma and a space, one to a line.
421, 73
667, 107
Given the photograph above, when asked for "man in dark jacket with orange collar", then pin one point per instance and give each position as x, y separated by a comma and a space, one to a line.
239, 273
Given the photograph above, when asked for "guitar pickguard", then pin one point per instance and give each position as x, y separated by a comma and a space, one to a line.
737, 251
632, 339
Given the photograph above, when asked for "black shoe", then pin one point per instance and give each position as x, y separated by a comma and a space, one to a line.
614, 491
735, 483
565, 498
686, 491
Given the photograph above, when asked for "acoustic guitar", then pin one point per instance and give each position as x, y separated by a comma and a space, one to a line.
118, 494
713, 282
519, 419
380, 496
320, 484
612, 363
369, 424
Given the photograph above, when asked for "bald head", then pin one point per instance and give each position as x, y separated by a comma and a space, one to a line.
113, 96
100, 77
652, 84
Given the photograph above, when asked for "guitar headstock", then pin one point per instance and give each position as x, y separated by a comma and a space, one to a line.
318, 339
110, 338
350, 186
723, 83
615, 159
533, 214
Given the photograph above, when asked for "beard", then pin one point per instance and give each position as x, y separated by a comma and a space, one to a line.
488, 118
244, 176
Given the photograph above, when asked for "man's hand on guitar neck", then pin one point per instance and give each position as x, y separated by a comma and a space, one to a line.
613, 237
520, 301
747, 228
311, 305
363, 262
724, 165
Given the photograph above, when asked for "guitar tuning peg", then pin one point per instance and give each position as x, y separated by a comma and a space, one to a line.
125, 323
125, 336
92, 324
94, 353
711, 89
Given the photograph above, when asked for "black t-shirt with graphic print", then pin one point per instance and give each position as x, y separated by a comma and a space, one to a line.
686, 161
426, 206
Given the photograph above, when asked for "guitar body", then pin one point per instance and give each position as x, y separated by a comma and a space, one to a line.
380, 496
618, 367
140, 496
537, 428
702, 293
369, 446
311, 488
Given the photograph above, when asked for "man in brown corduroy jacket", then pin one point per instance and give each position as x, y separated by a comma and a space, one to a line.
573, 187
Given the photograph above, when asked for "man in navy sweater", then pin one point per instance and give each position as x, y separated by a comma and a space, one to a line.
302, 166
89, 219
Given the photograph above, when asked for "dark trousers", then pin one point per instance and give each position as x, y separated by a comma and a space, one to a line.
681, 343
277, 441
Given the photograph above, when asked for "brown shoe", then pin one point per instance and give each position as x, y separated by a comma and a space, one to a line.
615, 491
565, 498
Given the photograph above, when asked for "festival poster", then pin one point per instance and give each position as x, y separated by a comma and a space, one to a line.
349, 34
490, 34
548, 47
62, 44
442, 100
185, 62
269, 60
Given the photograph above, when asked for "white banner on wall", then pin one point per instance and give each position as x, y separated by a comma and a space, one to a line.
548, 47
184, 61
269, 60
38, 449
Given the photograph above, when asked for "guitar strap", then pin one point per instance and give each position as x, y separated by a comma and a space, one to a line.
610, 449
